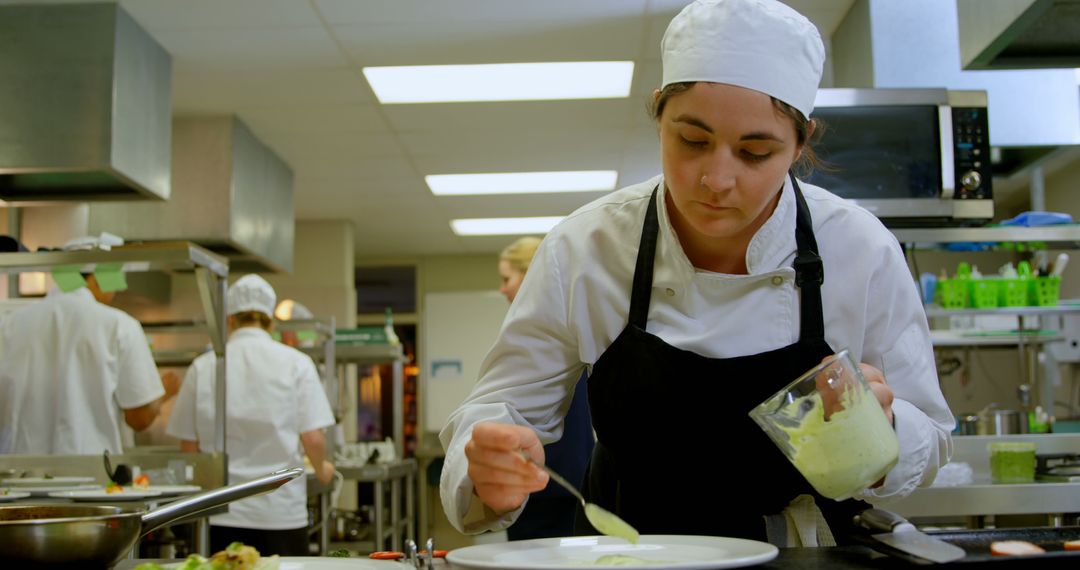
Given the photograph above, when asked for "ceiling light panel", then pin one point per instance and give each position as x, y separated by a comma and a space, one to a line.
521, 182
501, 82
504, 226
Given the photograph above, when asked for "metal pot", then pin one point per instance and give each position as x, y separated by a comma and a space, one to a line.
1001, 422
81, 536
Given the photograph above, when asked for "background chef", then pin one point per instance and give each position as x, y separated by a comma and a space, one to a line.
72, 369
693, 296
275, 406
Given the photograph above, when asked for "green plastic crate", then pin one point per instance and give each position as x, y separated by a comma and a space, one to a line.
984, 293
1013, 292
1044, 291
952, 293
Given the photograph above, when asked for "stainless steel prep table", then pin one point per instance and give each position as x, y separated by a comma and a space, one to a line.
398, 526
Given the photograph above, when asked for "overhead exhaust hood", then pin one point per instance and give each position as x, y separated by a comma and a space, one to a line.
231, 195
1019, 34
85, 107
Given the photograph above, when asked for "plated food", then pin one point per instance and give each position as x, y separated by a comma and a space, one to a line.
237, 556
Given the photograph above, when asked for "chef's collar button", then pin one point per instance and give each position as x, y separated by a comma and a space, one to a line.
777, 280
670, 292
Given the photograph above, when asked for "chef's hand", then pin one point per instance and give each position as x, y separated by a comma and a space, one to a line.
502, 478
876, 379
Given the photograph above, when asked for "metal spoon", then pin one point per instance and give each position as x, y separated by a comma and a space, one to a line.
602, 520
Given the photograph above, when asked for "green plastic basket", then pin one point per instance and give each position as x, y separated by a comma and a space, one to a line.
984, 293
952, 293
1044, 291
1013, 292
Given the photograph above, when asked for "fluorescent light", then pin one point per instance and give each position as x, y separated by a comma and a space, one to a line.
521, 182
504, 226
501, 82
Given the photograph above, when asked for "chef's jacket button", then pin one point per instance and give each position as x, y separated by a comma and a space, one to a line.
777, 280
670, 292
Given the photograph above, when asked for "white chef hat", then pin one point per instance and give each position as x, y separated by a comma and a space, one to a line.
250, 293
758, 44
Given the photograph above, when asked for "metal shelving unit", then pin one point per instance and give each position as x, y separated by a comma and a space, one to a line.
1066, 236
1025, 337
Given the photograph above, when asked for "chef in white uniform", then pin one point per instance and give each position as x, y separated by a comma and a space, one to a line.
72, 371
275, 406
695, 295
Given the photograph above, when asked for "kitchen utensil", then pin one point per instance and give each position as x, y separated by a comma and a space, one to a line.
80, 536
602, 520
967, 424
1059, 265
121, 475
832, 428
903, 536
976, 545
1001, 422
99, 495
670, 552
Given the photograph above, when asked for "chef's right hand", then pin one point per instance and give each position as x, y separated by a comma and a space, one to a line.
502, 478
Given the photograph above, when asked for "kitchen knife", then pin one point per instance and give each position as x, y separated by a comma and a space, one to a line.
905, 537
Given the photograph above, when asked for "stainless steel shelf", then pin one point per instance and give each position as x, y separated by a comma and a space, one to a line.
1064, 307
1062, 236
362, 353
133, 258
946, 338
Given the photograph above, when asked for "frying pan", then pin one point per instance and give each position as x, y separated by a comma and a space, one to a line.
81, 536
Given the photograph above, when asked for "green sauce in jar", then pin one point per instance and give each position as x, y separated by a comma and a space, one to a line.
1012, 462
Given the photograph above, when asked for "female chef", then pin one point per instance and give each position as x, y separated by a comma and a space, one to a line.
694, 296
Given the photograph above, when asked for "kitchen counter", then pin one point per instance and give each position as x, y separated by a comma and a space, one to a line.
836, 558
987, 499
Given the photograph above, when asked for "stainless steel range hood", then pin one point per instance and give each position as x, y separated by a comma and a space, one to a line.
1019, 34
232, 195
85, 105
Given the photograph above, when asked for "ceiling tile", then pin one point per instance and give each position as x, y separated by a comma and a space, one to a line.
472, 41
230, 90
157, 15
309, 119
580, 114
222, 49
387, 11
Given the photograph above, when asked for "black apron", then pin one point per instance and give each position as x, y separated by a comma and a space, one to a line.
676, 451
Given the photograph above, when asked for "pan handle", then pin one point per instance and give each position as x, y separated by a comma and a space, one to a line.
175, 510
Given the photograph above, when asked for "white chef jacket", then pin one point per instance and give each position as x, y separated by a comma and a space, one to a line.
273, 395
70, 367
575, 301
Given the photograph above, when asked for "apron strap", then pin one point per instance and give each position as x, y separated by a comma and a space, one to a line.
809, 271
643, 271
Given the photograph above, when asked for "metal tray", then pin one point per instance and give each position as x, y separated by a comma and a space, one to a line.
977, 545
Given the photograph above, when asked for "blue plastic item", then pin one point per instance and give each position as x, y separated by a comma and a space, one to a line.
1030, 219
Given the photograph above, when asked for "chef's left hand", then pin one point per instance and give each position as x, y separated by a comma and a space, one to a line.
876, 379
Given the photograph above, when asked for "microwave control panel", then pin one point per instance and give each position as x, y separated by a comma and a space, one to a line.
971, 153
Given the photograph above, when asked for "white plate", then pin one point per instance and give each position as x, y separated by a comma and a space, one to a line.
45, 481
582, 552
13, 495
44, 491
168, 489
317, 563
102, 495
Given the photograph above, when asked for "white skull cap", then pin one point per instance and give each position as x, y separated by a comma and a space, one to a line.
250, 293
758, 44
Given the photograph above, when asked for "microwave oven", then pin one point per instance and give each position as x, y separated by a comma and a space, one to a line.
912, 157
